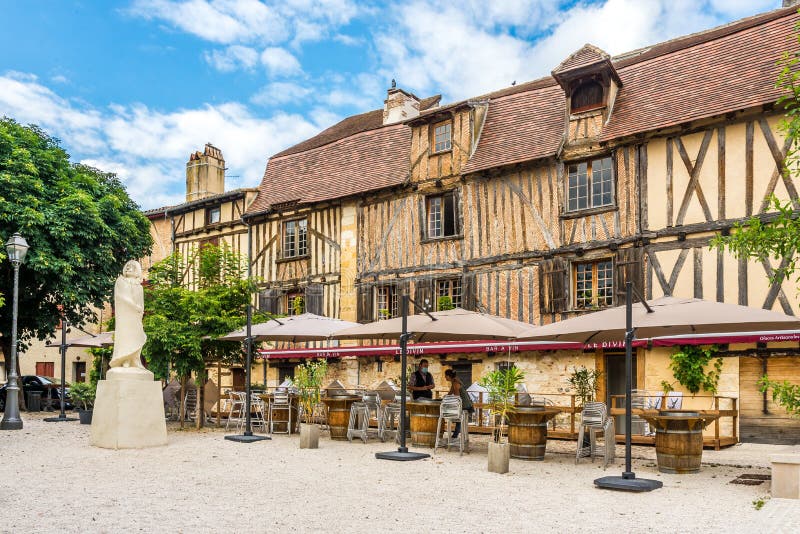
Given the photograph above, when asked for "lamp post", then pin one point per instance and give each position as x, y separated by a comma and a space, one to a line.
16, 247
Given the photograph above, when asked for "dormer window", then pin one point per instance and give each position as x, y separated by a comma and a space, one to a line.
586, 97
442, 137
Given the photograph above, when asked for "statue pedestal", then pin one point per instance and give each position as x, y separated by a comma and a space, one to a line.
128, 411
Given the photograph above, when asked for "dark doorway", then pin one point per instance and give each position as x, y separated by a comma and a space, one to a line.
238, 379
464, 373
79, 372
285, 370
615, 385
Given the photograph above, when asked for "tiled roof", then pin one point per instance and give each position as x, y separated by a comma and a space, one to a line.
351, 126
724, 69
365, 161
690, 78
587, 55
210, 200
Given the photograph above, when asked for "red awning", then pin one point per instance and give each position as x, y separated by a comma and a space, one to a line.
416, 349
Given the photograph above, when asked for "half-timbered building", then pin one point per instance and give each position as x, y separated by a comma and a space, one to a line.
540, 201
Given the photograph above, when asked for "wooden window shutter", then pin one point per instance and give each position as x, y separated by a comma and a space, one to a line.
269, 301
553, 295
364, 312
468, 297
315, 299
628, 267
423, 290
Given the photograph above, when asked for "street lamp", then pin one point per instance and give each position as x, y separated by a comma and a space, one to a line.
16, 248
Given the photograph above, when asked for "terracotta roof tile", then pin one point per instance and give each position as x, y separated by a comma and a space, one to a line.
587, 55
351, 126
365, 161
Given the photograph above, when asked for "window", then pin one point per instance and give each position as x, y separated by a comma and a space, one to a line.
295, 304
212, 215
448, 289
295, 238
590, 184
386, 301
442, 134
504, 366
587, 96
594, 284
442, 215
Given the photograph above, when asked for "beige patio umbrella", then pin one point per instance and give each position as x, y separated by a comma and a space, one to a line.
451, 325
671, 316
103, 339
304, 327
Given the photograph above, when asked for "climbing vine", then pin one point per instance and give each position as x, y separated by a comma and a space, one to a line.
784, 393
695, 367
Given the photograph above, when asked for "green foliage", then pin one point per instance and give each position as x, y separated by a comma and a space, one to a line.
81, 226
182, 323
784, 393
689, 363
100, 354
779, 239
298, 305
584, 382
759, 503
308, 379
502, 387
445, 303
666, 387
83, 393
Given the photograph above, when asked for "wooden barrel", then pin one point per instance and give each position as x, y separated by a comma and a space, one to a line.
679, 443
527, 433
424, 415
280, 418
339, 414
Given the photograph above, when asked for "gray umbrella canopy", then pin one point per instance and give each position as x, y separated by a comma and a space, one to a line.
671, 316
304, 327
103, 339
451, 325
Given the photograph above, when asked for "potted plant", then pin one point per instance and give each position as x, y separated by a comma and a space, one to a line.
584, 382
82, 394
502, 387
308, 379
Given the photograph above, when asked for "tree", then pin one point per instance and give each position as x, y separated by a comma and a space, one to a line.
81, 226
780, 237
183, 323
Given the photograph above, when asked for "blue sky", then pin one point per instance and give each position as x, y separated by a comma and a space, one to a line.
134, 86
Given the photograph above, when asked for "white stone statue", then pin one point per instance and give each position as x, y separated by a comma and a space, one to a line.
129, 336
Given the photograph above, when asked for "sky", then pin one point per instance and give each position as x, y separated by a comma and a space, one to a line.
133, 87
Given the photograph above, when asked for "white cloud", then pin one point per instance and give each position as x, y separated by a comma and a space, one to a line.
278, 93
60, 78
478, 52
148, 148
232, 58
280, 62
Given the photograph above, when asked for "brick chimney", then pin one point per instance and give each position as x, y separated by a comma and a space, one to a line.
205, 173
399, 105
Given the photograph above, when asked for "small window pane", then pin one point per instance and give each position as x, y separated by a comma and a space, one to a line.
441, 137
435, 227
578, 190
449, 215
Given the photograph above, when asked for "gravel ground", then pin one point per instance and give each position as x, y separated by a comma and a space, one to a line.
54, 481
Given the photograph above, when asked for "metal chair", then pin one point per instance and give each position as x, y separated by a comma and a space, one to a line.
190, 404
390, 422
450, 412
358, 424
257, 408
595, 419
235, 402
373, 401
280, 403
640, 400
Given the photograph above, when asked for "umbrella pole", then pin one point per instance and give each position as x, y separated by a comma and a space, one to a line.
247, 436
62, 416
402, 453
628, 480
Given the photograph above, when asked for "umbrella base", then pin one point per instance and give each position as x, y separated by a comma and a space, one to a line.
59, 419
244, 438
628, 483
402, 454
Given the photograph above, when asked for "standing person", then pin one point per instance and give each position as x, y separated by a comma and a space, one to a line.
421, 385
457, 388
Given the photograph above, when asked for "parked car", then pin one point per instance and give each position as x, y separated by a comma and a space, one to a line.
50, 389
